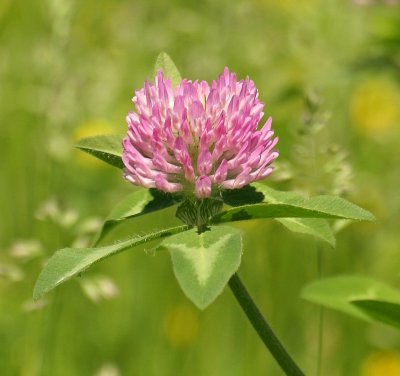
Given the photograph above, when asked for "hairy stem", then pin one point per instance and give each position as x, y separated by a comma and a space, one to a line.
262, 328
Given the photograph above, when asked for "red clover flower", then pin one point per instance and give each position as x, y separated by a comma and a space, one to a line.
197, 138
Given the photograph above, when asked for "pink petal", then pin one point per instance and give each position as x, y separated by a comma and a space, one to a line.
164, 185
203, 187
221, 173
204, 163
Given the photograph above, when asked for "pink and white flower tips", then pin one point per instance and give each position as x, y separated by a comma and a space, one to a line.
197, 138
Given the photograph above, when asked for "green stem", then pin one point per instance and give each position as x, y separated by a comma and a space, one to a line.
262, 328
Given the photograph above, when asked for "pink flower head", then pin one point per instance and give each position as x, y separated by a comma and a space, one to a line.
196, 137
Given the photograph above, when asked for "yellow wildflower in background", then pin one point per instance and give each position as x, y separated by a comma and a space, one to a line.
181, 324
4, 5
381, 364
374, 106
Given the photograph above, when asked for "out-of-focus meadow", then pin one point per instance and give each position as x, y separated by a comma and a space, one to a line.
329, 73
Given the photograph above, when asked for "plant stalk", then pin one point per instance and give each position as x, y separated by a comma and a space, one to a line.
263, 329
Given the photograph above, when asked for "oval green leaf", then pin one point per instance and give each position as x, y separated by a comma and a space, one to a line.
68, 262
344, 293
295, 212
169, 69
317, 227
140, 202
203, 263
385, 312
107, 148
315, 207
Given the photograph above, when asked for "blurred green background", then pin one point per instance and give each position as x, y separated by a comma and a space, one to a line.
329, 73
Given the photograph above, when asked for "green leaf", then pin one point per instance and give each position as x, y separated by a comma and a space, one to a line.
315, 207
139, 202
310, 226
169, 68
341, 293
108, 148
385, 312
278, 197
249, 194
338, 207
257, 193
69, 262
203, 263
